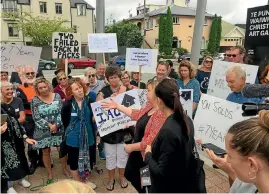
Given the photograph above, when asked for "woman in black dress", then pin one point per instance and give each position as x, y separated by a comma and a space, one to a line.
14, 165
171, 152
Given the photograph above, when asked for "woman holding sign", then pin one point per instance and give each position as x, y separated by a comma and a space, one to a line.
116, 157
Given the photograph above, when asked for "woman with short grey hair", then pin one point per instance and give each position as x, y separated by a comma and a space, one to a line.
94, 84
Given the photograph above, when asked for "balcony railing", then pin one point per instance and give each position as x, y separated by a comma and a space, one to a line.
10, 10
9, 13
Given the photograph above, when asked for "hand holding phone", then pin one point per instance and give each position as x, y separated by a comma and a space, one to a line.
217, 150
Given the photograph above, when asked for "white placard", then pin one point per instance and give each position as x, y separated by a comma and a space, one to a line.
148, 55
186, 99
102, 43
214, 117
66, 45
218, 86
113, 120
18, 56
142, 94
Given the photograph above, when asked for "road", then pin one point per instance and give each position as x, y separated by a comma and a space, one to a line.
49, 74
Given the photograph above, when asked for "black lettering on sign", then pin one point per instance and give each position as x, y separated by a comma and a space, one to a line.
211, 132
222, 111
205, 104
220, 83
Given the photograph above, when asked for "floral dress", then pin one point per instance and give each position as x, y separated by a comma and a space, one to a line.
43, 115
14, 164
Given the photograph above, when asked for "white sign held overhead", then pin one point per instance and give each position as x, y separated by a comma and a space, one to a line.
113, 120
186, 99
214, 117
18, 56
218, 86
66, 45
102, 43
147, 58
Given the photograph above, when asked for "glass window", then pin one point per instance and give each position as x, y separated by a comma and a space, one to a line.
81, 9
10, 5
13, 30
175, 20
58, 8
156, 41
43, 7
150, 23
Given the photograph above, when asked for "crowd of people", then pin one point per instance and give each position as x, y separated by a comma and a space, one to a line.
59, 114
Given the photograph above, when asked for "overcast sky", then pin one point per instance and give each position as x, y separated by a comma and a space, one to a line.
233, 11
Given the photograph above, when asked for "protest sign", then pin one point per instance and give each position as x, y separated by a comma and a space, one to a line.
147, 58
218, 86
18, 56
213, 119
102, 43
186, 99
142, 94
108, 121
66, 45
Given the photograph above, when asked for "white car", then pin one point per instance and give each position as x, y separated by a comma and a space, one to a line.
219, 56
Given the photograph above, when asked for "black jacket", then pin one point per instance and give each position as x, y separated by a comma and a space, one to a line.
173, 74
168, 162
135, 83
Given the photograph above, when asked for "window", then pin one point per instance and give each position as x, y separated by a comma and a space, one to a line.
175, 20
13, 30
81, 9
156, 41
150, 23
58, 8
9, 6
157, 21
43, 7
205, 22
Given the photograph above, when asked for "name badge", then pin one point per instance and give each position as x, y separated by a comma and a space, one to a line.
74, 114
17, 110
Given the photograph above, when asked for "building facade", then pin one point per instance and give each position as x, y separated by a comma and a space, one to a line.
77, 13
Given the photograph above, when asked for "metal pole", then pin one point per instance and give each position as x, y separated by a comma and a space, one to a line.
198, 31
268, 2
144, 39
100, 24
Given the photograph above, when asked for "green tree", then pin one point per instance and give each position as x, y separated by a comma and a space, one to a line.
38, 29
215, 35
169, 32
128, 34
162, 31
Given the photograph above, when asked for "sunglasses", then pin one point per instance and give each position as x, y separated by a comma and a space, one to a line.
228, 55
64, 78
30, 73
209, 61
91, 76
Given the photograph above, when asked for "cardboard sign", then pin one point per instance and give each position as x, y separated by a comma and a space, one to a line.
186, 99
103, 43
213, 119
257, 28
18, 56
142, 94
66, 45
218, 86
113, 120
147, 58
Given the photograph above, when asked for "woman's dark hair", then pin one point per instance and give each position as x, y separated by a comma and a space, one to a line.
110, 71
264, 74
167, 90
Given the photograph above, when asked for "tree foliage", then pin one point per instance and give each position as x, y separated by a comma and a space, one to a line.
215, 35
38, 29
128, 34
166, 33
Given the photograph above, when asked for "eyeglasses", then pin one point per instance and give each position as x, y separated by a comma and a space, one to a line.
209, 61
30, 73
91, 76
228, 55
64, 78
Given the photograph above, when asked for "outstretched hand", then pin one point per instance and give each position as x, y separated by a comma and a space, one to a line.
31, 141
109, 104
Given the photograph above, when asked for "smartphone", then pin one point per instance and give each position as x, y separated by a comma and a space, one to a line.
3, 119
217, 150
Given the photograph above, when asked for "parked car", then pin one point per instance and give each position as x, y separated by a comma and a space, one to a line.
219, 56
46, 65
187, 56
83, 62
118, 61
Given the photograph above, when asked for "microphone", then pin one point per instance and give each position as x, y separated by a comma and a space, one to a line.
255, 91
252, 109
145, 177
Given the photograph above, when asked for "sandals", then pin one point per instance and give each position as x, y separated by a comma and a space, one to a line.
123, 183
110, 185
50, 181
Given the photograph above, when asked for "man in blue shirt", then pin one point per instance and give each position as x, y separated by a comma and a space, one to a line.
236, 79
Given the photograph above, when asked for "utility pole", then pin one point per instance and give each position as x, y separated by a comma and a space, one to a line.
198, 31
100, 24
145, 23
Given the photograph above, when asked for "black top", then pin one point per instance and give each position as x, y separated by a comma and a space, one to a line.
168, 162
117, 136
203, 78
135, 83
173, 74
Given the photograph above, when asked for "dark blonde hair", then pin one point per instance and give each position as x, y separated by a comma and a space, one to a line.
252, 136
42, 80
190, 66
264, 74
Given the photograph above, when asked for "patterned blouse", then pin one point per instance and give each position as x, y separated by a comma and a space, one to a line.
153, 127
192, 84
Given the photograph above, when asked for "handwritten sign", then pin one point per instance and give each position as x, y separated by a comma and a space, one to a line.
142, 94
113, 120
16, 56
103, 43
66, 45
186, 99
144, 57
213, 119
218, 86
